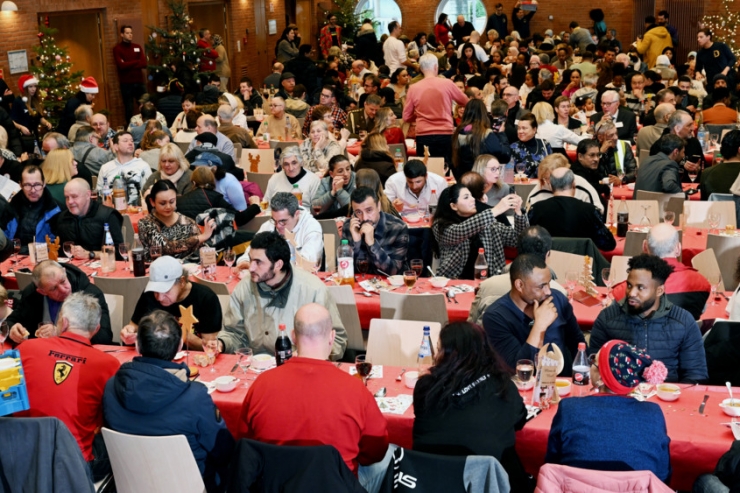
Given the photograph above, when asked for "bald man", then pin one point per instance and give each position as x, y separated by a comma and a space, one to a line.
296, 403
462, 30
685, 287
84, 220
649, 134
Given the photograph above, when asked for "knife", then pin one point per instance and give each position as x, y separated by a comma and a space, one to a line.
703, 403
233, 369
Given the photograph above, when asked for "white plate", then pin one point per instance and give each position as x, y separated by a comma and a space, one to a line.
631, 186
62, 260
180, 355
413, 218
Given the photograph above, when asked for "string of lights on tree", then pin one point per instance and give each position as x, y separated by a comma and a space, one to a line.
171, 50
53, 69
724, 25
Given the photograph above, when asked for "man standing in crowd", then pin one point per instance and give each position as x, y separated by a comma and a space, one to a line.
685, 287
66, 377
271, 296
647, 319
714, 58
306, 411
133, 170
498, 21
531, 315
521, 19
208, 59
662, 20
428, 103
380, 238
130, 60
394, 50
42, 299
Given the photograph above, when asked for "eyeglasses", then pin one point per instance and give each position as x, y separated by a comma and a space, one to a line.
608, 102
493, 169
33, 186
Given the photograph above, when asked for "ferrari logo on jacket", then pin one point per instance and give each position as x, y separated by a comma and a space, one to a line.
61, 371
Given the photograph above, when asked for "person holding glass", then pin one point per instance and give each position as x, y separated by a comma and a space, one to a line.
529, 150
459, 232
469, 388
175, 233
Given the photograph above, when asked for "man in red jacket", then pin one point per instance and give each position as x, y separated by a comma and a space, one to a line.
130, 59
208, 59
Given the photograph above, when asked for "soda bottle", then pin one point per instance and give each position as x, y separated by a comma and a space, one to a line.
623, 219
120, 203
481, 266
425, 360
581, 371
108, 255
138, 257
345, 264
298, 194
107, 194
398, 158
283, 346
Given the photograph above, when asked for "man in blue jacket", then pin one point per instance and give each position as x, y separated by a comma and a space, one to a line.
647, 320
153, 396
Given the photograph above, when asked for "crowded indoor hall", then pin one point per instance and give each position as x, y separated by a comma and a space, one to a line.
369, 246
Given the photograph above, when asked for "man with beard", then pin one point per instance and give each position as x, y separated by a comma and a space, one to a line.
271, 296
531, 315
646, 319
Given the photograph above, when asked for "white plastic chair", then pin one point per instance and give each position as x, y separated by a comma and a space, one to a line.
152, 464
696, 213
264, 160
706, 264
563, 262
130, 288
344, 297
421, 307
396, 342
261, 179
661, 198
436, 165
727, 251
115, 304
219, 288
618, 270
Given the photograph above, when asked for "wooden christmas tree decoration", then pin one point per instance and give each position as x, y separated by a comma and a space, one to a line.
187, 320
586, 278
426, 155
254, 162
53, 248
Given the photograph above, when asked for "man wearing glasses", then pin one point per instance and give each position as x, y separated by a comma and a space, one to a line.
514, 112
280, 125
327, 98
622, 118
34, 210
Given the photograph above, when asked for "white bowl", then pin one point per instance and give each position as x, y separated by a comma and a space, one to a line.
413, 217
227, 383
733, 410
668, 392
262, 361
396, 280
410, 378
563, 385
411, 143
439, 282
351, 142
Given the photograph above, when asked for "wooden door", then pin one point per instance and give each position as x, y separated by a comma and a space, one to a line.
305, 22
265, 52
213, 16
84, 46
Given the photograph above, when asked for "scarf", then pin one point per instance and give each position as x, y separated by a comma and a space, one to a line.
173, 178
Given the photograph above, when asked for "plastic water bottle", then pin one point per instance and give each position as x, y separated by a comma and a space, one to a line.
481, 266
108, 255
701, 136
345, 264
581, 371
509, 171
120, 203
298, 193
398, 158
107, 194
425, 360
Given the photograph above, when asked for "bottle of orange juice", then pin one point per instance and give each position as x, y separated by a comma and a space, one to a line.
298, 194
345, 264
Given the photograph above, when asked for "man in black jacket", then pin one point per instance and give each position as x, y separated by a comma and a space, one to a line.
622, 118
14, 139
660, 172
498, 21
305, 70
84, 220
681, 124
42, 299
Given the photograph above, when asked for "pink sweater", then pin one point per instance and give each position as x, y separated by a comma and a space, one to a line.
434, 115
555, 478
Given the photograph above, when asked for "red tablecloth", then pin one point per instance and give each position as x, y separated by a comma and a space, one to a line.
694, 242
86, 266
697, 441
355, 150
624, 192
261, 144
572, 155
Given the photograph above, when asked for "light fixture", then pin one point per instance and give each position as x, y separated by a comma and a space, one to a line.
9, 6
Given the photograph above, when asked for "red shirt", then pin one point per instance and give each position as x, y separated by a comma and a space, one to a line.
683, 279
66, 377
433, 116
130, 59
312, 402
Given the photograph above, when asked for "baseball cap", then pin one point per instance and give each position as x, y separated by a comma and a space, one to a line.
163, 274
286, 75
207, 159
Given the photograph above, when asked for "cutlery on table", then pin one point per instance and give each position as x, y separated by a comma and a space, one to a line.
729, 389
380, 393
116, 351
451, 294
383, 273
703, 403
398, 378
233, 368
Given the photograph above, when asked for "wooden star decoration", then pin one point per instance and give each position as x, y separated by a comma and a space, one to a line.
187, 320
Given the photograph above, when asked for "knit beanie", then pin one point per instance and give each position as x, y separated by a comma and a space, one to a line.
623, 367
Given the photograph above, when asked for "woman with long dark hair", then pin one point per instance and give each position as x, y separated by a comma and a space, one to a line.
468, 405
474, 137
459, 232
286, 48
28, 113
468, 55
442, 29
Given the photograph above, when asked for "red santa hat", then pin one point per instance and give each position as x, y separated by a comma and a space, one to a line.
89, 85
27, 80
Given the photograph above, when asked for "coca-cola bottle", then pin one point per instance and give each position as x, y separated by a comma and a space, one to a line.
283, 346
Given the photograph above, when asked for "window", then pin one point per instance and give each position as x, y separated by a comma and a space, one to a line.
473, 10
383, 12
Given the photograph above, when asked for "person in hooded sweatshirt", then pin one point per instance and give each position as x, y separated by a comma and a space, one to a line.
153, 396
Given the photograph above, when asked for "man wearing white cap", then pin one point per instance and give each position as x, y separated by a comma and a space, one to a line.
170, 290
86, 95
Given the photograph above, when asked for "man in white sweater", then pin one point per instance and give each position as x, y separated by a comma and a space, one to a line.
293, 174
133, 170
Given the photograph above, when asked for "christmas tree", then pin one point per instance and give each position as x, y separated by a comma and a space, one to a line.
57, 83
348, 18
173, 52
724, 25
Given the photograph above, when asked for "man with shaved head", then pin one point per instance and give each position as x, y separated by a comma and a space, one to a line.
84, 220
309, 401
685, 287
649, 134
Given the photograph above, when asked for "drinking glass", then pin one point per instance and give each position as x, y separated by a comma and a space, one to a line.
4, 331
229, 259
316, 266
409, 278
316, 210
210, 348
245, 361
155, 252
669, 217
364, 367
524, 370
714, 281
417, 265
362, 267
521, 169
608, 281
620, 175
67, 247
571, 279
714, 219
715, 139
692, 175
645, 221
123, 250
16, 249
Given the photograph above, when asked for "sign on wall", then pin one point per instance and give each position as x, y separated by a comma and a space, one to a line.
18, 61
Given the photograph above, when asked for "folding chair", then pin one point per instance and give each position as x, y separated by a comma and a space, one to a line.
261, 179
130, 288
696, 213
436, 165
258, 161
727, 251
344, 297
618, 270
661, 198
563, 262
403, 306
396, 342
706, 264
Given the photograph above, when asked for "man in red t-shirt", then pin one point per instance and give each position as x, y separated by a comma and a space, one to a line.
309, 401
66, 376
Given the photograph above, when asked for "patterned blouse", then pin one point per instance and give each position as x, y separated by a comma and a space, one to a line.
530, 153
179, 240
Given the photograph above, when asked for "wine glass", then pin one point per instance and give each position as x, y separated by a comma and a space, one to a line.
210, 348
669, 217
645, 221
16, 249
571, 279
417, 265
521, 170
714, 280
155, 251
692, 175
409, 278
713, 219
608, 281
524, 370
4, 331
123, 249
229, 259
362, 266
316, 266
67, 247
245, 361
364, 367
715, 139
